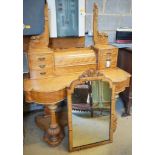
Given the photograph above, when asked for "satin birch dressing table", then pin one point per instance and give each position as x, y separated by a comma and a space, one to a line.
52, 69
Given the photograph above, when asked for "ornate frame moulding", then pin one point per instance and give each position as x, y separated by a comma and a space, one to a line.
90, 75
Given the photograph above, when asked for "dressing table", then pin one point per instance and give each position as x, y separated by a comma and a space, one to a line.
52, 69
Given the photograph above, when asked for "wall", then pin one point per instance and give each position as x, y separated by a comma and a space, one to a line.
112, 15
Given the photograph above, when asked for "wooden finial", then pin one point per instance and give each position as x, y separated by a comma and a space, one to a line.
95, 21
42, 40
98, 38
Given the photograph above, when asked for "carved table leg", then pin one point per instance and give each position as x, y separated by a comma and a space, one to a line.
54, 135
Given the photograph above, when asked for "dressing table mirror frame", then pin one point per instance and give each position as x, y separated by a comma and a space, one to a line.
88, 76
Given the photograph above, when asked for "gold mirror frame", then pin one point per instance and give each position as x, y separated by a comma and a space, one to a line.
89, 75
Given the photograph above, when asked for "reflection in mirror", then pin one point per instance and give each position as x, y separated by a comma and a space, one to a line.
91, 112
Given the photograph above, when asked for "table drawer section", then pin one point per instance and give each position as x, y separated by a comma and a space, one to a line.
111, 56
40, 64
41, 73
40, 58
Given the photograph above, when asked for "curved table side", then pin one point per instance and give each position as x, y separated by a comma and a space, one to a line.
53, 90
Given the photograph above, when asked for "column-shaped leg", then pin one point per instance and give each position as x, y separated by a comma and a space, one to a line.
54, 135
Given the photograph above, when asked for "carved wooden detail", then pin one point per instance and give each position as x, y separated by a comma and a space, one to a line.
98, 38
122, 85
54, 134
42, 40
91, 73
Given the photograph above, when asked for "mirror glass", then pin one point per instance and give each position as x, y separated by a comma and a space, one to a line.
67, 17
91, 109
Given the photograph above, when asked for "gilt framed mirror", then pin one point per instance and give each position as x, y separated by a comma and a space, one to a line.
91, 107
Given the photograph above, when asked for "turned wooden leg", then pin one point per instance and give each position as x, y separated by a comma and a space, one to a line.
54, 135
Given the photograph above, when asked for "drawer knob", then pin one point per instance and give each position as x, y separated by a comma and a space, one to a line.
42, 66
42, 73
41, 59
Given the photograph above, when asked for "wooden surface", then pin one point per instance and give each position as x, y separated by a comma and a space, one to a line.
106, 53
67, 42
98, 38
74, 57
89, 76
42, 90
40, 63
125, 62
73, 60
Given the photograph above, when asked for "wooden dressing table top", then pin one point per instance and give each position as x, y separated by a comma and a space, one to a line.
104, 47
116, 75
57, 83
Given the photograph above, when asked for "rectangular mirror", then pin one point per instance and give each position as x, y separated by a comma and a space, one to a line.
67, 17
90, 109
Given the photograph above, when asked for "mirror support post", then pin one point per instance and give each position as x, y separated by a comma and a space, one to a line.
114, 115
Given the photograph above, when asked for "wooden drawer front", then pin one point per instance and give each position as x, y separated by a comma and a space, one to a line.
40, 58
110, 55
40, 65
75, 59
42, 73
73, 69
120, 86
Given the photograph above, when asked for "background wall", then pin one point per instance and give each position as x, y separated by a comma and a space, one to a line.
112, 15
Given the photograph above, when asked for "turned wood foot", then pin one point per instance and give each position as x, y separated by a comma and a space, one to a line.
54, 134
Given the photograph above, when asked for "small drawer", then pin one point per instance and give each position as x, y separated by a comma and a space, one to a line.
40, 58
40, 65
34, 74
110, 56
110, 53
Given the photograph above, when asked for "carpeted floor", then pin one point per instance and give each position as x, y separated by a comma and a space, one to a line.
122, 139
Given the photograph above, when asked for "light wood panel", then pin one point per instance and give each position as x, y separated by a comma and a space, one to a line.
67, 42
98, 38
44, 87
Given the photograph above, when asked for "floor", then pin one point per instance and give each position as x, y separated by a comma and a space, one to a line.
122, 139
